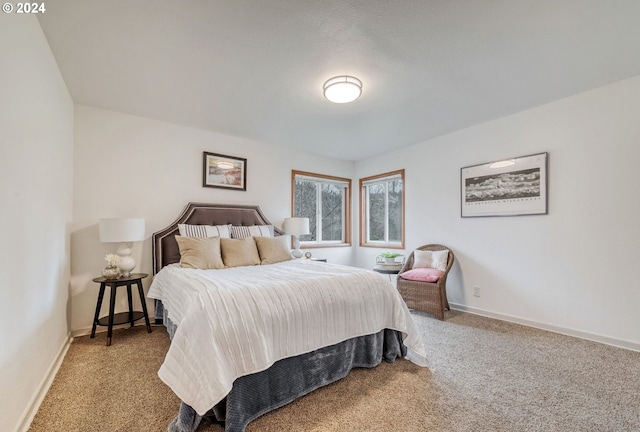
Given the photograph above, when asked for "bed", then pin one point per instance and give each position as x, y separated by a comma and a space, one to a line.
249, 339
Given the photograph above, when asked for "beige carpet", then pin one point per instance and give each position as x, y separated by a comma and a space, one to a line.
484, 375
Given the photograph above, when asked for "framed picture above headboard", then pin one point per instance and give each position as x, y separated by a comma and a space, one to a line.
221, 171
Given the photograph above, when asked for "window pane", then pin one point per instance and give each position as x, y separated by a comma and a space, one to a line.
332, 197
395, 210
382, 202
322, 199
376, 193
305, 204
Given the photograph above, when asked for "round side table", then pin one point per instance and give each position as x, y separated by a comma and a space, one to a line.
122, 317
393, 269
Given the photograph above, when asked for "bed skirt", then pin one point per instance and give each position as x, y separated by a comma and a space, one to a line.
290, 378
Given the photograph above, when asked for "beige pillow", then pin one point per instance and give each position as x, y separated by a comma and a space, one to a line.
431, 259
239, 252
273, 249
200, 252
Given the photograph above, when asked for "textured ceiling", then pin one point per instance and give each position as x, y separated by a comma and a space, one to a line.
255, 69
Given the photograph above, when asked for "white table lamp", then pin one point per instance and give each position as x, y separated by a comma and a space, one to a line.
124, 231
295, 227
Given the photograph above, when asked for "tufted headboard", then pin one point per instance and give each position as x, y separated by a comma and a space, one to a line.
164, 245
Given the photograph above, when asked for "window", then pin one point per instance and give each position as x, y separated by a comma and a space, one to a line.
326, 201
382, 210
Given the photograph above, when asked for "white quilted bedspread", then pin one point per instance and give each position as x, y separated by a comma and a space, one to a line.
241, 320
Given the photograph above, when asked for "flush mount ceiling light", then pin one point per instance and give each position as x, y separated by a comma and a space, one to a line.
342, 89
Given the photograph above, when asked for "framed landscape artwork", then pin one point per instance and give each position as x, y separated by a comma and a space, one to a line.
509, 187
228, 172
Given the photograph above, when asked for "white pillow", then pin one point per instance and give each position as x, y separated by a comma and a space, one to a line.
221, 231
431, 259
239, 232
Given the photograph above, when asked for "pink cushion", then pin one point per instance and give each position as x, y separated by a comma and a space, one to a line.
422, 274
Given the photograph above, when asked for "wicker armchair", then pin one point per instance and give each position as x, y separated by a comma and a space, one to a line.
430, 297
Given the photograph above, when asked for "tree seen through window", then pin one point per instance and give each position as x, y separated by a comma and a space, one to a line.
324, 200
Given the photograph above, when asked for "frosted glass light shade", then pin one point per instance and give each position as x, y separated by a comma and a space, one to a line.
342, 89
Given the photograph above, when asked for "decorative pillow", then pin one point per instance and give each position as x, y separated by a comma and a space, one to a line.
200, 252
431, 259
221, 231
239, 252
422, 274
273, 249
239, 232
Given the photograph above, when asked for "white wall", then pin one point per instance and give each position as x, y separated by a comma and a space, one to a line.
36, 135
574, 270
570, 271
132, 166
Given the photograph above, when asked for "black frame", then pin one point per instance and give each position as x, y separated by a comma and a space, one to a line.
236, 162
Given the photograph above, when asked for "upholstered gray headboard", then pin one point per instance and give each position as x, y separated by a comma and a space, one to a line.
164, 245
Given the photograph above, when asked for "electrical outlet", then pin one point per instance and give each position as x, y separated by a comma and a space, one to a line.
476, 291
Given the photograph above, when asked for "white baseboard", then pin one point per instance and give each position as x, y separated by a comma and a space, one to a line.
84, 331
32, 408
620, 343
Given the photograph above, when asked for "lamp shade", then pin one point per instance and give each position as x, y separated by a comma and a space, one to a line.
116, 230
296, 226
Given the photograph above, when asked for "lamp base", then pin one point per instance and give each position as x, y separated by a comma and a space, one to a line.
126, 263
296, 252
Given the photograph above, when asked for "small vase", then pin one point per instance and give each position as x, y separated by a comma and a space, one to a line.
390, 260
111, 272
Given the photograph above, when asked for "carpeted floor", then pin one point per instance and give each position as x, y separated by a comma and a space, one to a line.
484, 375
